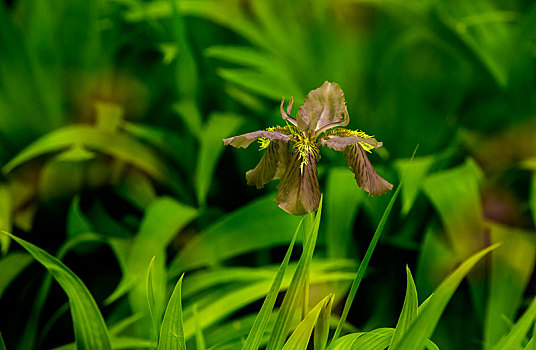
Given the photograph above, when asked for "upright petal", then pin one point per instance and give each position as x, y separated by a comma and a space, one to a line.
367, 178
272, 166
323, 109
286, 115
298, 192
246, 139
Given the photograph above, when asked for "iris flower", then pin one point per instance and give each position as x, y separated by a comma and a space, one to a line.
292, 151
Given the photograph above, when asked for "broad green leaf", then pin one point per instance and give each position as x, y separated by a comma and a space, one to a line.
340, 210
11, 266
163, 219
261, 218
172, 330
290, 303
456, 196
518, 333
199, 337
511, 267
409, 310
416, 174
218, 126
149, 287
345, 342
377, 339
299, 339
261, 321
426, 322
118, 145
89, 328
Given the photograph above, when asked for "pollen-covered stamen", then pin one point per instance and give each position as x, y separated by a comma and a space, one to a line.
304, 146
264, 143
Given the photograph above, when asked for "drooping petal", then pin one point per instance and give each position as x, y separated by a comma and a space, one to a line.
272, 166
286, 115
366, 177
299, 192
323, 109
339, 143
246, 139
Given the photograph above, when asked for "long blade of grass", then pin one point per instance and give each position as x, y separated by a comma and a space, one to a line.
261, 321
366, 259
322, 327
199, 337
377, 339
172, 330
90, 330
424, 326
2, 345
290, 303
409, 310
149, 287
302, 334
518, 332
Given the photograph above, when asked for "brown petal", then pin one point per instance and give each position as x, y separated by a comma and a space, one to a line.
298, 192
339, 143
323, 108
367, 178
246, 139
272, 166
286, 115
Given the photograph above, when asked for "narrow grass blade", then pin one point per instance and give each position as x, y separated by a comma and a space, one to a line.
366, 259
302, 334
89, 328
423, 327
150, 298
409, 310
290, 303
345, 342
322, 327
11, 266
172, 330
518, 332
199, 337
261, 321
2, 345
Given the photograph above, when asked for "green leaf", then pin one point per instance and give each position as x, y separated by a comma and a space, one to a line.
456, 196
532, 200
261, 321
118, 145
290, 303
5, 217
426, 322
340, 210
261, 218
416, 174
302, 334
322, 326
89, 328
219, 126
172, 330
149, 287
518, 332
2, 345
409, 310
511, 268
163, 219
199, 337
11, 266
377, 339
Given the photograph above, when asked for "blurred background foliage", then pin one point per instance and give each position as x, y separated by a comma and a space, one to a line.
111, 119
